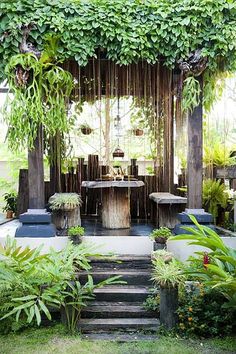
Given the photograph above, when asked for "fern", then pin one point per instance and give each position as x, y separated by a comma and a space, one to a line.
214, 196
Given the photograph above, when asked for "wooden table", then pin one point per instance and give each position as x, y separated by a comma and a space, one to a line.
115, 201
167, 207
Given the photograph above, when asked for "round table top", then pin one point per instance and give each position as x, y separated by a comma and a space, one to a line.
112, 184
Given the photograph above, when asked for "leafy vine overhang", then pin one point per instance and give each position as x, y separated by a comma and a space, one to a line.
127, 30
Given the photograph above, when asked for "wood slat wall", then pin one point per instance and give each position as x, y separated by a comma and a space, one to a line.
140, 205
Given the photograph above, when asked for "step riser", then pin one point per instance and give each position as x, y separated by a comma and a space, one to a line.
114, 297
122, 265
130, 279
89, 328
121, 314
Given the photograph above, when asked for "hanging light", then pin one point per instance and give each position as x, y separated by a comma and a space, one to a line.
117, 124
118, 152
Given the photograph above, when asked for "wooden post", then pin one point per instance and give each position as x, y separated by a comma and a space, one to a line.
168, 307
194, 173
36, 173
23, 192
55, 165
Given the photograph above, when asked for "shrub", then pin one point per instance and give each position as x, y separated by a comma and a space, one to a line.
201, 312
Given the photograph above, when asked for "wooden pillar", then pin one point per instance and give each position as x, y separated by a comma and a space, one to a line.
194, 171
23, 192
55, 164
36, 173
166, 115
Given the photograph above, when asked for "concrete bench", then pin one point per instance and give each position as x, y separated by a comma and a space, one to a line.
166, 206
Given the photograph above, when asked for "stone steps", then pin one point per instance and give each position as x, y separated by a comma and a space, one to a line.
99, 309
132, 277
118, 324
118, 311
122, 293
122, 262
120, 337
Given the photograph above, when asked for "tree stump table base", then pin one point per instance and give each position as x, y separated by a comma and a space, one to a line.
115, 208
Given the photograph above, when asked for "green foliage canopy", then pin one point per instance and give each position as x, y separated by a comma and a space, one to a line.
127, 30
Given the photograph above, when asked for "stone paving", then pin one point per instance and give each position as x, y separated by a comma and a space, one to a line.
9, 228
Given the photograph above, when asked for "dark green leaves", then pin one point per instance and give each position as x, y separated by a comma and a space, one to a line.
170, 29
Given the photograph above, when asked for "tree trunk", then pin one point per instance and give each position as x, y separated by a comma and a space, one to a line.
115, 208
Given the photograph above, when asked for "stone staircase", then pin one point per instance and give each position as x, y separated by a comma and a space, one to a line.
117, 311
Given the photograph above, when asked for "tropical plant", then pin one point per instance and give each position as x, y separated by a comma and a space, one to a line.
167, 275
161, 235
191, 94
214, 196
165, 255
218, 154
76, 231
11, 202
217, 268
39, 98
65, 201
150, 170
31, 284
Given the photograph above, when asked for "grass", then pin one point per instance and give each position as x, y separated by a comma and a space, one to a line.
55, 340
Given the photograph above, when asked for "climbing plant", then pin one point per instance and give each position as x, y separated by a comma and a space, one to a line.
126, 30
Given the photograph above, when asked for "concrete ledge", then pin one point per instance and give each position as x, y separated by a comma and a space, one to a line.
137, 245
182, 250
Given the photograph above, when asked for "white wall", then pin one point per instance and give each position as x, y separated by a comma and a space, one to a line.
182, 250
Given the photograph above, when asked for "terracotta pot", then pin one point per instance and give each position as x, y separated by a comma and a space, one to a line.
138, 132
9, 214
86, 131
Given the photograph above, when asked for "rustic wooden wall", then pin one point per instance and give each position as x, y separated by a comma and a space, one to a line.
140, 205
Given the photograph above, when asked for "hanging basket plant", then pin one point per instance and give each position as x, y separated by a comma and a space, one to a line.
86, 129
39, 96
138, 132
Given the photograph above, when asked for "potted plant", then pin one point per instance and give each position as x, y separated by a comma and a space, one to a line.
65, 210
165, 255
11, 204
85, 129
65, 201
75, 234
168, 275
160, 236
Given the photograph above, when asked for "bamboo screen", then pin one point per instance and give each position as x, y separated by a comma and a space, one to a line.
152, 86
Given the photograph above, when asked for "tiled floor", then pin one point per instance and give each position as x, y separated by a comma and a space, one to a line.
93, 227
